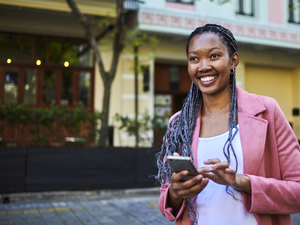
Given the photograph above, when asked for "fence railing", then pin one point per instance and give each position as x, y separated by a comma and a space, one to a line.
34, 169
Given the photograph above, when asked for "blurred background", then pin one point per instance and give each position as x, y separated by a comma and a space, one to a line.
83, 81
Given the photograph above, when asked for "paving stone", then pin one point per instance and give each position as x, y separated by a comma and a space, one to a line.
106, 220
51, 218
85, 217
34, 219
69, 218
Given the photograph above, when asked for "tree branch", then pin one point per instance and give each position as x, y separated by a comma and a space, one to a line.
98, 37
117, 42
89, 34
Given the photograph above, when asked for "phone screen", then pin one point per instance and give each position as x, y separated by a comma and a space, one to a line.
179, 163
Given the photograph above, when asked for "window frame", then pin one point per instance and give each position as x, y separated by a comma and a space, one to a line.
241, 8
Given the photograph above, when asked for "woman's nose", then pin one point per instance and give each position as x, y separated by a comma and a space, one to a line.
204, 65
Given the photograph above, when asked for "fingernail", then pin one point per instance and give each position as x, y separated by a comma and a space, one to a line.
199, 177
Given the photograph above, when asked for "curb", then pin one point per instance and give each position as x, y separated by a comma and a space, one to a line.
73, 195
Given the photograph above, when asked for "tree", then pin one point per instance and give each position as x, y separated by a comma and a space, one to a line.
118, 45
119, 38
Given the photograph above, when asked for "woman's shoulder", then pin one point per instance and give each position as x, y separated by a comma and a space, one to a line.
252, 99
174, 115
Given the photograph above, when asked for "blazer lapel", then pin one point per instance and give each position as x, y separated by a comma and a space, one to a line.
253, 130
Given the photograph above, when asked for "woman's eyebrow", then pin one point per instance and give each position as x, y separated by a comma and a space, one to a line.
195, 52
214, 49
192, 52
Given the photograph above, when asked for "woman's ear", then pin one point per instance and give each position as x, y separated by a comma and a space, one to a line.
235, 59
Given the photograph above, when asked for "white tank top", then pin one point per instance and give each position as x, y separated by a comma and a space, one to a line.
214, 204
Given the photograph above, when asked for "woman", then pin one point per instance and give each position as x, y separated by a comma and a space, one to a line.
244, 148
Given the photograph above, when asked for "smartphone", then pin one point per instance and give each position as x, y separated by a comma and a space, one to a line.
179, 163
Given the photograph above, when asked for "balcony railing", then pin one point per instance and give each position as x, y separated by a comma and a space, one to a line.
188, 2
132, 4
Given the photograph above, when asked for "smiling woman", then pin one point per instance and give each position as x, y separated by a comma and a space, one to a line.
208, 65
247, 155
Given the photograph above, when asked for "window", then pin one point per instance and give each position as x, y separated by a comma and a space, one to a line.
66, 88
42, 71
11, 86
189, 2
84, 88
49, 87
294, 11
245, 7
174, 77
146, 80
30, 87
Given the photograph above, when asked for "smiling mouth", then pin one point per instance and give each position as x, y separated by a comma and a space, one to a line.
208, 78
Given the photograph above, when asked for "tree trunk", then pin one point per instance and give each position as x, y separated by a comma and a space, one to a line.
105, 114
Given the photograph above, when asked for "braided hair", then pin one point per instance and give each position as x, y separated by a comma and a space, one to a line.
178, 137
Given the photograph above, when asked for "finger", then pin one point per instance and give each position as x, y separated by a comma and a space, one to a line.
228, 170
205, 169
212, 161
221, 165
193, 181
178, 177
175, 154
194, 190
210, 176
185, 186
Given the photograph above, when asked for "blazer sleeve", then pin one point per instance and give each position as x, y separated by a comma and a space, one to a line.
163, 205
272, 195
166, 210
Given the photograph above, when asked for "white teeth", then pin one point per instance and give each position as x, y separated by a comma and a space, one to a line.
204, 79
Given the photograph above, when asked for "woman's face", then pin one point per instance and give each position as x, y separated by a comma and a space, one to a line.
209, 63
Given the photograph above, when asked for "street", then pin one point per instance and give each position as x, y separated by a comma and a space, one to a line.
90, 209
126, 207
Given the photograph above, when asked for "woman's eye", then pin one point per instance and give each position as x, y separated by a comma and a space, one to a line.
214, 56
193, 58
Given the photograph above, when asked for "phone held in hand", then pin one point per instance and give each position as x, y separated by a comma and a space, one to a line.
180, 163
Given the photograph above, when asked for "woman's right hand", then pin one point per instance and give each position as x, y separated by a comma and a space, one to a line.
183, 189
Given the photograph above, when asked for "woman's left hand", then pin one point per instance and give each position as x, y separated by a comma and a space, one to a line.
224, 175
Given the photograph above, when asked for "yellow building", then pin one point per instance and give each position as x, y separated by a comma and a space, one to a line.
267, 32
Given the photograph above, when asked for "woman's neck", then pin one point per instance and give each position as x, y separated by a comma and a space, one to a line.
215, 103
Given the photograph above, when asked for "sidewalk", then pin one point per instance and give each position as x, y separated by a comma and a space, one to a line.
128, 207
100, 207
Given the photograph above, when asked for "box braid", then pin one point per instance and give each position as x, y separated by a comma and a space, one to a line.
178, 137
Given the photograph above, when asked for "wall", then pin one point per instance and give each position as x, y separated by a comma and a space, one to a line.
274, 82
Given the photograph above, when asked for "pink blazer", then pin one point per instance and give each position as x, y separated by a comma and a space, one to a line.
271, 160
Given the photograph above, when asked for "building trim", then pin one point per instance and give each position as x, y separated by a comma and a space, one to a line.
245, 32
128, 76
132, 96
